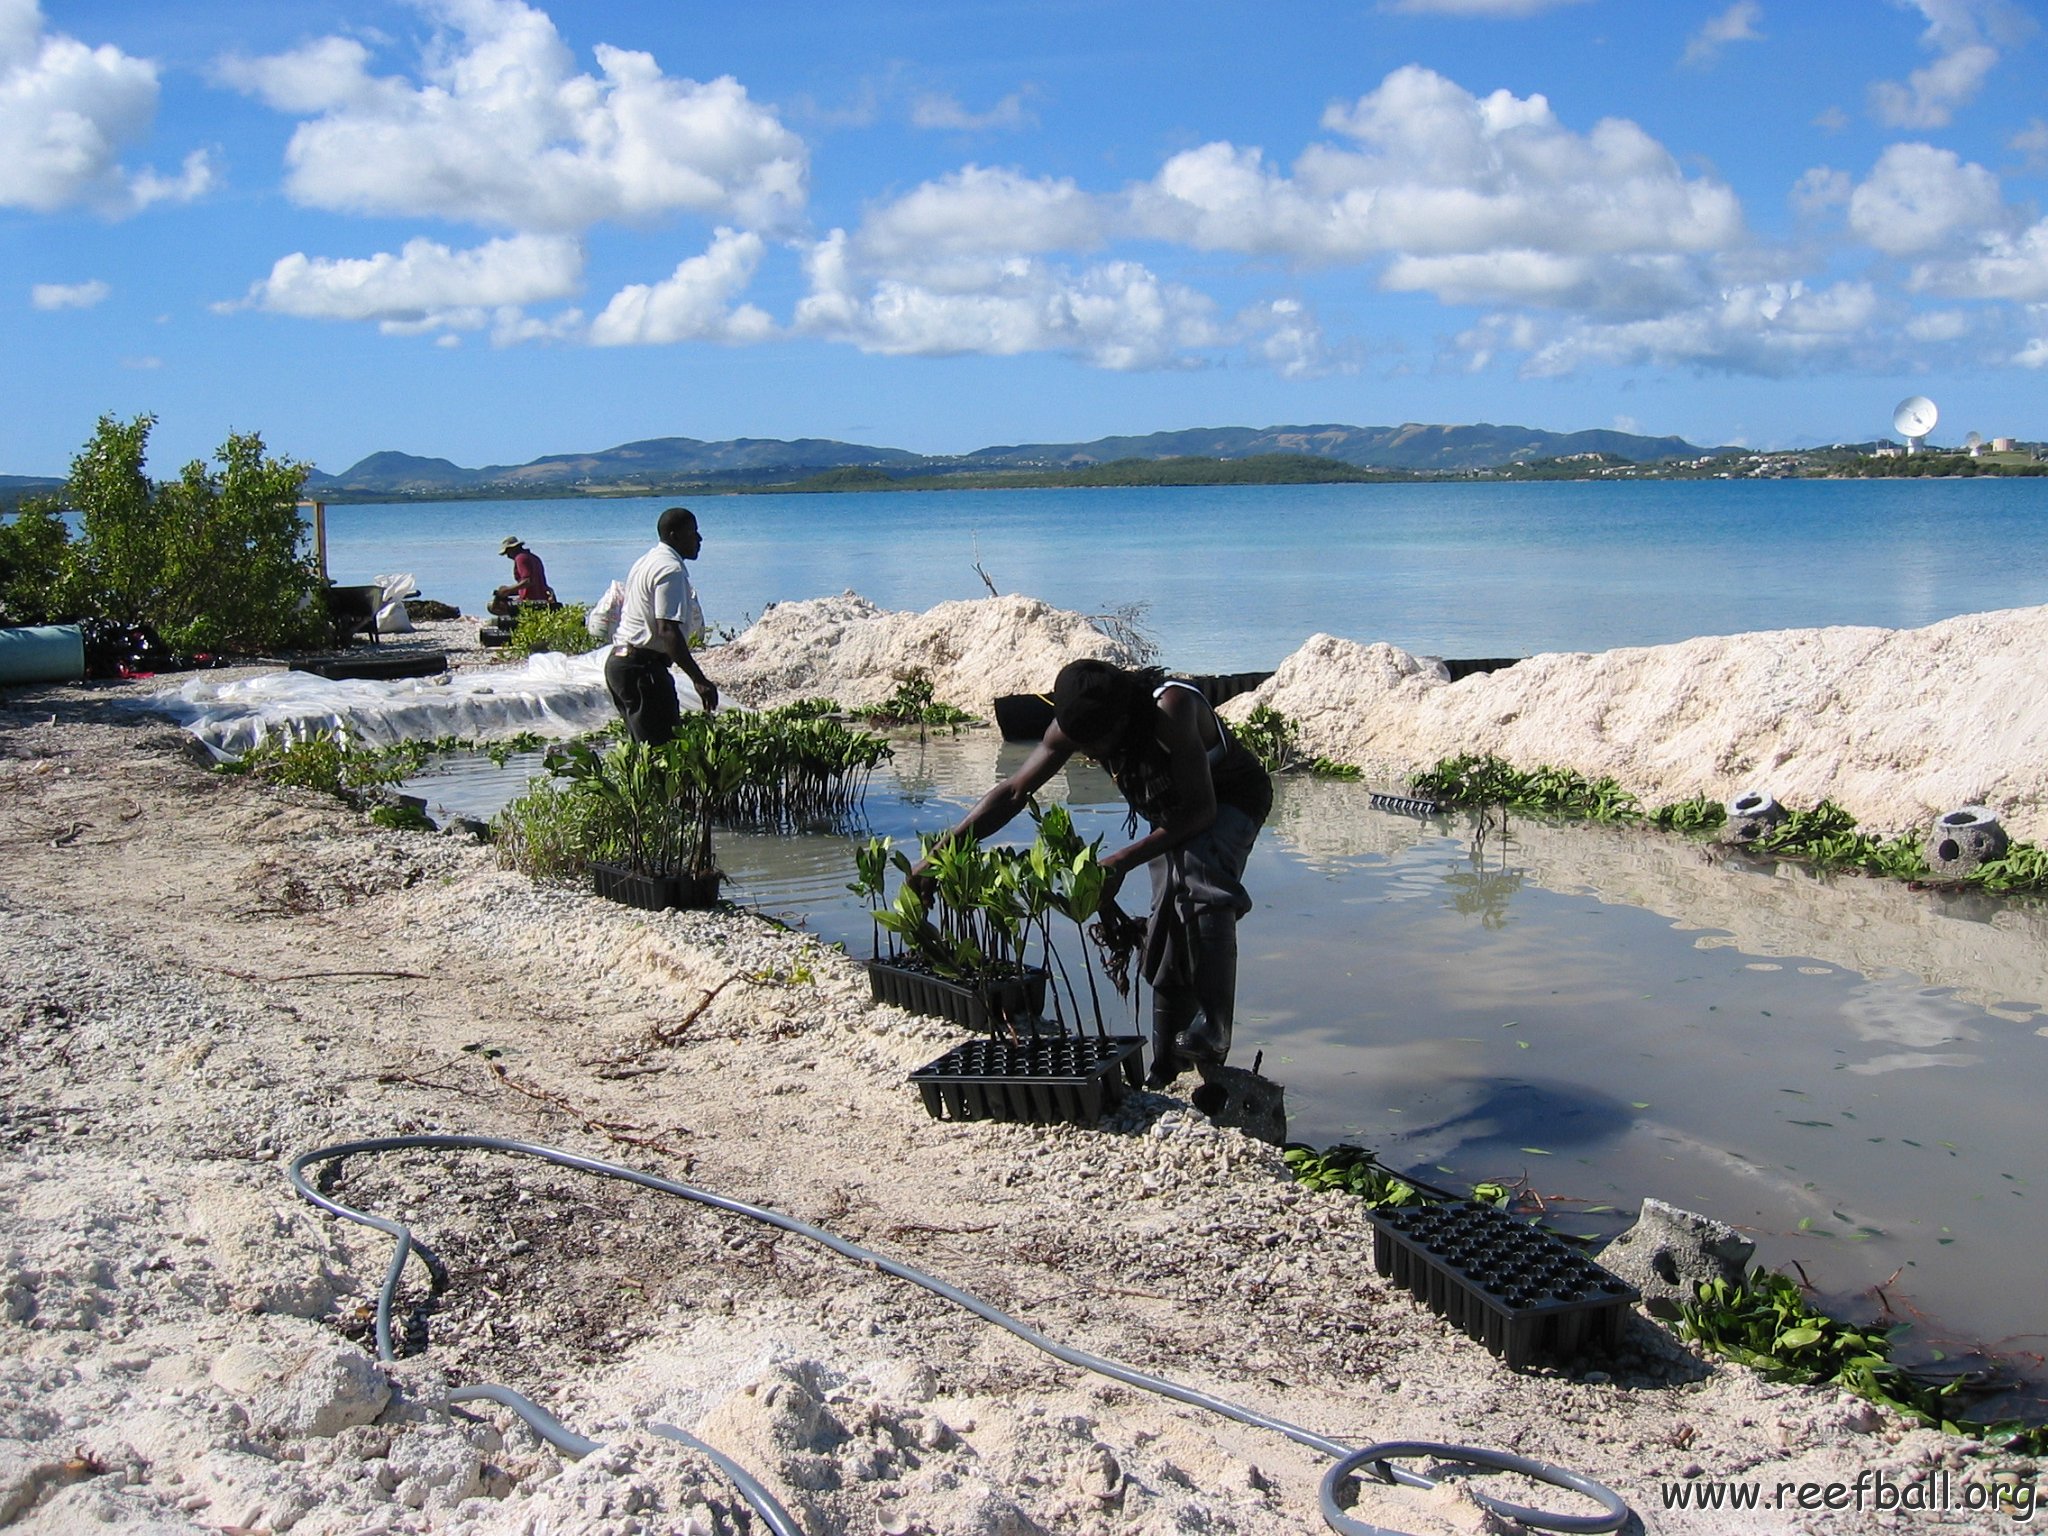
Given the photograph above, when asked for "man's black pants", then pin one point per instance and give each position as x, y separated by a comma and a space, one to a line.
640, 685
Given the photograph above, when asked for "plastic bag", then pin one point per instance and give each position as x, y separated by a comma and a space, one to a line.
603, 619
392, 618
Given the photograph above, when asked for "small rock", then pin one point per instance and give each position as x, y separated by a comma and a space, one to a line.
333, 1388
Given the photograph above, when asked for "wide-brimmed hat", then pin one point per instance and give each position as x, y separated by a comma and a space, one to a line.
512, 542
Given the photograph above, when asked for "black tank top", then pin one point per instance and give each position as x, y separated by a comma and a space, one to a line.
1146, 776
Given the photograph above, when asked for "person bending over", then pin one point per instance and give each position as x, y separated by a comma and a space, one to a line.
654, 630
529, 580
1203, 796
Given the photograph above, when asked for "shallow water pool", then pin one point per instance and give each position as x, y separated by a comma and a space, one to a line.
1845, 1069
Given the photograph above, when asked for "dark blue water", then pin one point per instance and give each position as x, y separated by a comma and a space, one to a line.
1235, 578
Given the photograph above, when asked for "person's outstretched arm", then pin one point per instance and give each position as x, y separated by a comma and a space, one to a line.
668, 634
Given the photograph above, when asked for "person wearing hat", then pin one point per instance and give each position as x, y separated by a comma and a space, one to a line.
529, 580
1203, 796
657, 621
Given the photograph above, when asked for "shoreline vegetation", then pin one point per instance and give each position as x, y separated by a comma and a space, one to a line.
1262, 469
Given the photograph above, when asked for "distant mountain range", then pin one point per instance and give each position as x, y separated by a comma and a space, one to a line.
665, 463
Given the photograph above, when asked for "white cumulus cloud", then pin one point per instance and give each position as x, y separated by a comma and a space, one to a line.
694, 303
426, 285
67, 109
1476, 198
2002, 267
499, 128
1737, 24
978, 211
1766, 329
1918, 198
1965, 37
1116, 315
68, 295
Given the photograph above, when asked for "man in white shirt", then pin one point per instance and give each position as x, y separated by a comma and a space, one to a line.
654, 630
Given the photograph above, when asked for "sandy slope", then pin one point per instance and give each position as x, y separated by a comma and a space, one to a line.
1898, 726
206, 977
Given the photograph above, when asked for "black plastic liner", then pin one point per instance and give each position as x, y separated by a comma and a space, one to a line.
1517, 1289
983, 1005
1036, 1079
376, 668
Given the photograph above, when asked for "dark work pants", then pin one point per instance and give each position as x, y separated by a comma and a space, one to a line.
1198, 895
639, 683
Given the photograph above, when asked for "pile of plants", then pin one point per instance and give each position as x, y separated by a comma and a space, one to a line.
796, 767
1472, 779
1356, 1171
1275, 740
538, 628
328, 761
914, 703
973, 918
1766, 1323
1825, 836
651, 810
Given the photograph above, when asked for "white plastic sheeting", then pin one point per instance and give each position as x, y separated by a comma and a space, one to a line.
551, 695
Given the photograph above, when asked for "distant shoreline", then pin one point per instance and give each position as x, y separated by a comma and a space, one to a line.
1189, 471
1264, 470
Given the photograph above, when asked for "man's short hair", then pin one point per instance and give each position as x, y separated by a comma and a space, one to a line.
673, 521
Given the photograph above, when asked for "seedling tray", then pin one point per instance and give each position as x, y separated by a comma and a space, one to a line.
654, 893
1036, 1079
1517, 1289
980, 1005
1407, 805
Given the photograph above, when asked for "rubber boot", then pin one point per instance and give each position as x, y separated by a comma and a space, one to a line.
1204, 1042
1166, 1062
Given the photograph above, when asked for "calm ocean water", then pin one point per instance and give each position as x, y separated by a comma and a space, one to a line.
1235, 578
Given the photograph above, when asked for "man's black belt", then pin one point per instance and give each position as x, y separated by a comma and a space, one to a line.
640, 654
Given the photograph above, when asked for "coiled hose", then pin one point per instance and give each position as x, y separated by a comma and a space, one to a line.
1347, 1460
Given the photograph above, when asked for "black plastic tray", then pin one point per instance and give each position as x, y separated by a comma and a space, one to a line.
983, 1005
654, 893
1407, 805
1517, 1289
1038, 1079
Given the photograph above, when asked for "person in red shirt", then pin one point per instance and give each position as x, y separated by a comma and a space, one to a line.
529, 580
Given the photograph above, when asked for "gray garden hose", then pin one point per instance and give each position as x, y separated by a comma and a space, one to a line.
1348, 1460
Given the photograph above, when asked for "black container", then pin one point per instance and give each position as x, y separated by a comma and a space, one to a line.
655, 893
1023, 716
980, 1005
1036, 1079
1517, 1289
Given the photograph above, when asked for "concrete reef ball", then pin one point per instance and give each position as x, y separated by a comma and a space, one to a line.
1964, 839
1750, 815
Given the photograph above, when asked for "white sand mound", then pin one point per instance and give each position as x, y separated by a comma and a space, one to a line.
846, 648
1896, 726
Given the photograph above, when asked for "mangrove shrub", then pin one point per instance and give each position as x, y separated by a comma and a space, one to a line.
214, 560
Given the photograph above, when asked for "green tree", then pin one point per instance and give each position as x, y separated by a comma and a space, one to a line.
34, 559
212, 559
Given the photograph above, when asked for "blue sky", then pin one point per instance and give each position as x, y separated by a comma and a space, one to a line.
487, 230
